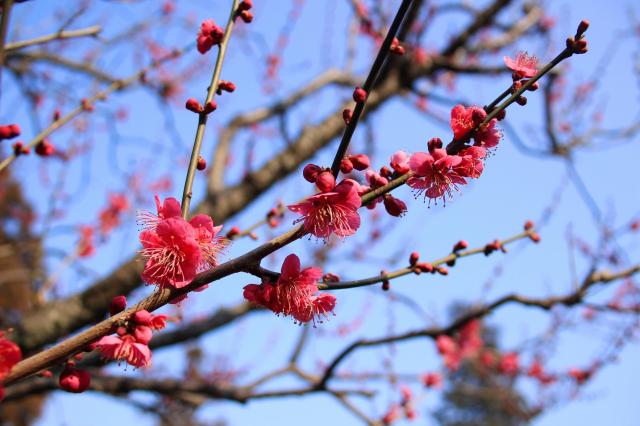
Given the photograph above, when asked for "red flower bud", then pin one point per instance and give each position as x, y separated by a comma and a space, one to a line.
202, 164
442, 270
9, 131
433, 144
528, 225
346, 166
460, 245
210, 106
346, 115
310, 172
118, 304
15, 130
386, 285
86, 105
245, 5
325, 181
75, 381
394, 206
330, 278
359, 94
360, 161
413, 258
233, 232
20, 149
227, 86
246, 16
193, 105
142, 317
582, 27
385, 172
396, 48
44, 148
424, 267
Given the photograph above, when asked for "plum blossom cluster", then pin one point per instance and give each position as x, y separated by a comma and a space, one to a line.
175, 250
332, 211
294, 294
437, 173
130, 343
10, 355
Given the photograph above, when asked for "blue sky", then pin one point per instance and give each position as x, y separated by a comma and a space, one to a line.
514, 187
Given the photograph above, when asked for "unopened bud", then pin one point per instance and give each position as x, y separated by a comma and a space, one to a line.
310, 172
359, 94
193, 105
118, 304
325, 181
210, 106
346, 115
460, 245
202, 164
142, 317
582, 27
360, 161
346, 166
434, 143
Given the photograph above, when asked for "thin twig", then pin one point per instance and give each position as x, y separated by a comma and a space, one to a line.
60, 35
202, 117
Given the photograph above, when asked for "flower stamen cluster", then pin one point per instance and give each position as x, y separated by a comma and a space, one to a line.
294, 294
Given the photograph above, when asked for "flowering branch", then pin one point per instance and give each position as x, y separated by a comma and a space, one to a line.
89, 305
370, 82
202, 116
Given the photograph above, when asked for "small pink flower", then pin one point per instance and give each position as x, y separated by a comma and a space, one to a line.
172, 253
435, 173
400, 162
158, 322
487, 135
210, 244
125, 348
472, 164
168, 209
174, 249
331, 212
463, 120
523, 65
294, 294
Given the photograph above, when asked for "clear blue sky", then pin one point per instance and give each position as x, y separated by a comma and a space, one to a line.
514, 187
